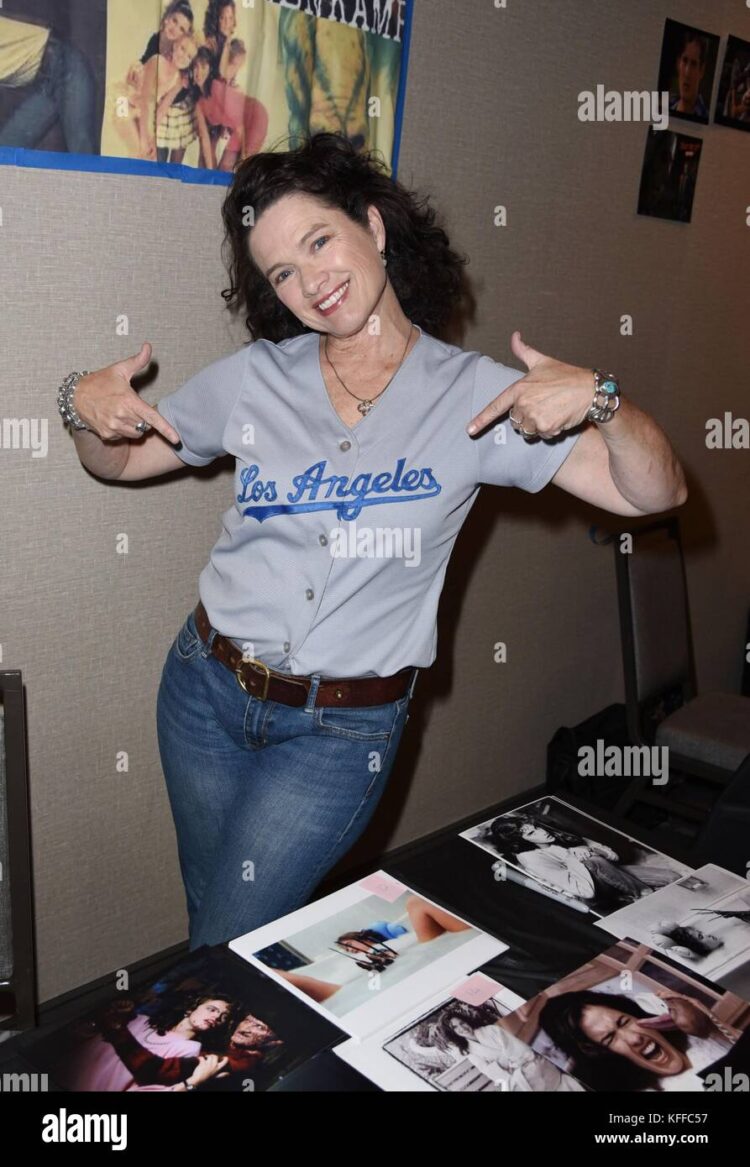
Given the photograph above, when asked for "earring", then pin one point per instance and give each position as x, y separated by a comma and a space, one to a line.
382, 256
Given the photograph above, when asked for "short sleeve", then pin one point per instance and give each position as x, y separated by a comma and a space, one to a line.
505, 457
200, 409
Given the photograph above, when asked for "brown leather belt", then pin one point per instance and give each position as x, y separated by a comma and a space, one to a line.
258, 680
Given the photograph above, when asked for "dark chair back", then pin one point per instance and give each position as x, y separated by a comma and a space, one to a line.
725, 839
655, 625
17, 964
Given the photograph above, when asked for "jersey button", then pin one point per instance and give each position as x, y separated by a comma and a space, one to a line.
322, 540
309, 593
345, 445
287, 646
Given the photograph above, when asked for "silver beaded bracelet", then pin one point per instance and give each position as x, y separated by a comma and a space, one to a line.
65, 401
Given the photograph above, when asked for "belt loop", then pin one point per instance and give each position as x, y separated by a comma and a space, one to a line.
208, 644
315, 679
413, 683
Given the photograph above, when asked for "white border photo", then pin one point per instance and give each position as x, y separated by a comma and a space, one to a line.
576, 858
364, 958
702, 921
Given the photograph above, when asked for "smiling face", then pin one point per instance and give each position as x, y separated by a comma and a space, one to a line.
690, 72
622, 1034
227, 20
176, 25
324, 267
201, 70
208, 1015
183, 52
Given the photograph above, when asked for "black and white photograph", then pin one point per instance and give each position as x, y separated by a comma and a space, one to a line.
733, 97
630, 1021
574, 856
702, 921
363, 958
457, 1046
687, 70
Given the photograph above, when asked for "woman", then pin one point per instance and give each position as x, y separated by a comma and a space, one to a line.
373, 949
219, 26
177, 1029
476, 1035
155, 121
571, 863
248, 1054
221, 108
285, 694
615, 1044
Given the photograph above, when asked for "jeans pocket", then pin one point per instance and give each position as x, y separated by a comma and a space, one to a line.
366, 723
188, 643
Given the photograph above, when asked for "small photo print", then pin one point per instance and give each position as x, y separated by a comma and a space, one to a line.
210, 1022
630, 1021
575, 857
702, 921
362, 958
733, 99
687, 69
457, 1047
669, 176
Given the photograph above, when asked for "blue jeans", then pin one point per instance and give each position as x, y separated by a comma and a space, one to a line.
63, 88
266, 797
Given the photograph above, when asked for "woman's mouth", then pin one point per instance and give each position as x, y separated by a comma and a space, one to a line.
331, 303
652, 1051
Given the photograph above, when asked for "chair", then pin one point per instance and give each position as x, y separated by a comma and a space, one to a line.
17, 960
708, 734
725, 839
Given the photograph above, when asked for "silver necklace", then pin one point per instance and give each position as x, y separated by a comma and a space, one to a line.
366, 403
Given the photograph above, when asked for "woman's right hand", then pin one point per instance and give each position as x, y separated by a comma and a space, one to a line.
105, 401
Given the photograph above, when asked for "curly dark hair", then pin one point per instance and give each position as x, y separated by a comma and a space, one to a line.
424, 271
174, 1006
213, 15
595, 1065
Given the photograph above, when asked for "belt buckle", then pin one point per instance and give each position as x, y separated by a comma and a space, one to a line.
261, 665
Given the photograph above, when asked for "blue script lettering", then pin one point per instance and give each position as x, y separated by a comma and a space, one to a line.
255, 490
314, 490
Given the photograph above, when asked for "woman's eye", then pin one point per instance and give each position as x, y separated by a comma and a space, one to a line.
278, 278
321, 237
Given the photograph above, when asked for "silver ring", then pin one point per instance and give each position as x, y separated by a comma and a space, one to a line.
142, 426
519, 428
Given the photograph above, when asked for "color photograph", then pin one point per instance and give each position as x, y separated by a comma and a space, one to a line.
209, 1023
363, 957
629, 1021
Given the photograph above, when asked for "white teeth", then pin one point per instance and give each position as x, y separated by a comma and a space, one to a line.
334, 298
649, 1049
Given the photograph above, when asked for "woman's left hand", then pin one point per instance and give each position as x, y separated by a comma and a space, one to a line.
552, 397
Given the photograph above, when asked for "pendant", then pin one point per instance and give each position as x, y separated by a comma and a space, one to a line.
364, 407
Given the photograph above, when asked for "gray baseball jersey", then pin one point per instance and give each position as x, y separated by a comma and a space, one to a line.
334, 549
